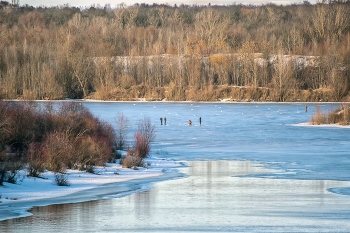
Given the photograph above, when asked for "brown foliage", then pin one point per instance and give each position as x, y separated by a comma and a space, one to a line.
36, 160
144, 135
54, 53
59, 151
70, 137
318, 117
131, 161
340, 116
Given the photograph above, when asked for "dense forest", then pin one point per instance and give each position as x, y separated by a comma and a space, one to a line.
298, 52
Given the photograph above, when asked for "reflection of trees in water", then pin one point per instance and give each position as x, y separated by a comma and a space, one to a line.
61, 217
221, 174
143, 203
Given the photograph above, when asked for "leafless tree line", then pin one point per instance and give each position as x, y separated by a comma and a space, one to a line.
176, 52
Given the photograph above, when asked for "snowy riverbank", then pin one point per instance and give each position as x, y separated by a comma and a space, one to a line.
29, 191
322, 125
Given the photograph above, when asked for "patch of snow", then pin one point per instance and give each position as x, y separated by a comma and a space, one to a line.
322, 125
30, 189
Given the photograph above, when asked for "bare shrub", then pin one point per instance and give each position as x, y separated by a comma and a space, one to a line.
18, 121
144, 135
116, 155
93, 139
147, 129
122, 131
72, 108
339, 116
5, 124
10, 164
92, 152
46, 138
346, 118
318, 117
102, 93
36, 160
332, 117
142, 145
58, 150
61, 179
130, 161
126, 82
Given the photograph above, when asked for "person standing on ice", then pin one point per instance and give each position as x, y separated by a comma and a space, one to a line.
161, 121
200, 120
164, 120
305, 108
189, 122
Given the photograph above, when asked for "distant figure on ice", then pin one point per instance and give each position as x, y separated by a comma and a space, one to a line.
305, 108
200, 120
164, 120
189, 122
161, 121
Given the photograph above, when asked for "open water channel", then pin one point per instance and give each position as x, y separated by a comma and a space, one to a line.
248, 167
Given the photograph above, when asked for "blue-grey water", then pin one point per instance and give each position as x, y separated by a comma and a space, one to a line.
250, 168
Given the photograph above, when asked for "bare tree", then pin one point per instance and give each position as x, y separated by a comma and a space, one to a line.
122, 131
147, 129
81, 67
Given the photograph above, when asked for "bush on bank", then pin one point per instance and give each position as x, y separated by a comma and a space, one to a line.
51, 139
143, 137
340, 116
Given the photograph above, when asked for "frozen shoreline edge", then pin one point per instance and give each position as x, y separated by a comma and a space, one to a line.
340, 190
323, 125
185, 101
105, 190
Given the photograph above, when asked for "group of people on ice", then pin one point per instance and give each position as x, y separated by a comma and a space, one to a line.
189, 122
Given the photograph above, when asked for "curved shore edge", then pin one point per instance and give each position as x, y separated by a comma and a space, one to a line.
162, 170
340, 190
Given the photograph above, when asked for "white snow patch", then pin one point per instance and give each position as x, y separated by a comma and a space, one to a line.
322, 125
33, 189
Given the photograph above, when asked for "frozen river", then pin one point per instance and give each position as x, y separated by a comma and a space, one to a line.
250, 168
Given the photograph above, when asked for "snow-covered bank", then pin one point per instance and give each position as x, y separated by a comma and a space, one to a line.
110, 181
323, 125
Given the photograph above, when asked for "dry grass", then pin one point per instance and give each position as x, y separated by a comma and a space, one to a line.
318, 117
173, 92
340, 116
130, 161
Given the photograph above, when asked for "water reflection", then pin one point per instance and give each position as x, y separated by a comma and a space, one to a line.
216, 196
143, 203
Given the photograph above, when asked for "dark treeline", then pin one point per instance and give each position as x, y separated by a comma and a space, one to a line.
156, 52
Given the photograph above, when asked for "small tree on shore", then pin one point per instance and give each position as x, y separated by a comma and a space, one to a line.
122, 131
147, 129
144, 135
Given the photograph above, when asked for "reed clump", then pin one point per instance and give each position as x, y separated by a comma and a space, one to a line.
339, 116
318, 117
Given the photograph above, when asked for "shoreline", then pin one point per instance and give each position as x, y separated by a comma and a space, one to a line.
108, 182
323, 125
187, 101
